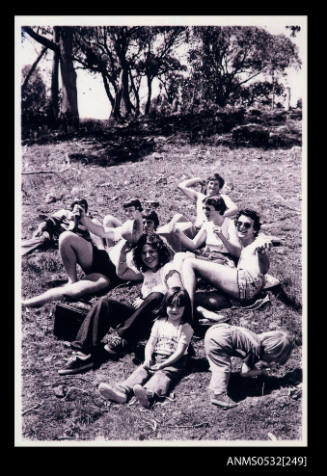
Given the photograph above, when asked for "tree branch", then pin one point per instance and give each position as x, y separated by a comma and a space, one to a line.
41, 39
34, 65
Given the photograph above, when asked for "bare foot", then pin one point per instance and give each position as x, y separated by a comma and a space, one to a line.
212, 316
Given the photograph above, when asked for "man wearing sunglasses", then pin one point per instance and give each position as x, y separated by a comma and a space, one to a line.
246, 280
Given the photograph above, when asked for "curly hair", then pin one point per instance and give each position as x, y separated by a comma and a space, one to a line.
156, 243
248, 212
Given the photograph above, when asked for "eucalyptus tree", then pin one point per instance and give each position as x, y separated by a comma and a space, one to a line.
60, 41
123, 56
224, 59
111, 52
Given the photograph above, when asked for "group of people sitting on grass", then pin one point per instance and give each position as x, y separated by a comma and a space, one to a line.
223, 247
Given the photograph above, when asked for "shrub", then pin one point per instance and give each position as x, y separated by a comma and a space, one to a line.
250, 135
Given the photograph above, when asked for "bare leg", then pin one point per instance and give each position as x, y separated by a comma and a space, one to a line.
97, 240
177, 218
74, 250
220, 276
110, 221
183, 224
91, 284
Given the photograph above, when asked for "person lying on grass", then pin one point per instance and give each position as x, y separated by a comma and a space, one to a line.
130, 321
246, 280
166, 354
99, 268
49, 230
113, 228
258, 351
114, 231
212, 188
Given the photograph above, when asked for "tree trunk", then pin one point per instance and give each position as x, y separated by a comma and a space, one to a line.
64, 49
148, 102
123, 108
107, 89
54, 104
69, 109
273, 92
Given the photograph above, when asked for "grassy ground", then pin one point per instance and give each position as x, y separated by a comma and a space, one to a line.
69, 408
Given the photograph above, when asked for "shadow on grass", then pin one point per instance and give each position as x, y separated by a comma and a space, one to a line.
113, 148
54, 283
115, 152
242, 387
280, 293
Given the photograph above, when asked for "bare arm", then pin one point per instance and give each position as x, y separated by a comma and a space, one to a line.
97, 229
259, 247
197, 241
186, 185
231, 207
179, 352
123, 271
40, 229
148, 351
233, 247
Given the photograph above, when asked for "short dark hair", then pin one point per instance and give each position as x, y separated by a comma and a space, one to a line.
151, 216
181, 298
217, 177
248, 212
80, 201
133, 203
157, 243
217, 202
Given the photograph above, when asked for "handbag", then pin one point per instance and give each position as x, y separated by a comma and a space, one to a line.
67, 321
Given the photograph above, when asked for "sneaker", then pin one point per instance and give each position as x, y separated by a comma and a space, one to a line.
114, 394
116, 345
142, 396
223, 400
76, 365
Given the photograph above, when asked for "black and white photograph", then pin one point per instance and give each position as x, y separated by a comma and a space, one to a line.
160, 244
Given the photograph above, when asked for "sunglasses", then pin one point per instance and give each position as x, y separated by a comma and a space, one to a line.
246, 224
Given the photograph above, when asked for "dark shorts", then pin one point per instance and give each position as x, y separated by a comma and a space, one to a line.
103, 264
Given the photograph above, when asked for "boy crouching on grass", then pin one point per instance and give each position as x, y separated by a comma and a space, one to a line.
258, 351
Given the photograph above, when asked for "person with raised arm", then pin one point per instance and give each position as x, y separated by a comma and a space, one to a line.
244, 281
212, 188
130, 321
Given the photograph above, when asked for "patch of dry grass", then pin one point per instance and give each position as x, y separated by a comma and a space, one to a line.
268, 181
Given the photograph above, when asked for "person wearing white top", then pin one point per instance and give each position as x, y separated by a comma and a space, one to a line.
166, 354
246, 280
208, 242
130, 321
213, 186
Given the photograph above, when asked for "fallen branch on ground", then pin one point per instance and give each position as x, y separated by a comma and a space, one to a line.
30, 409
40, 172
188, 426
